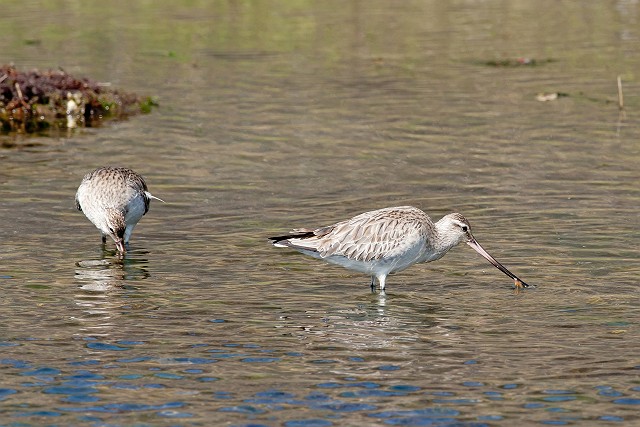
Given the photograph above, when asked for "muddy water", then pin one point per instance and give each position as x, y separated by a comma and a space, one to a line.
300, 114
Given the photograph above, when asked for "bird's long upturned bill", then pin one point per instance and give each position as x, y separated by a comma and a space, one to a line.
476, 246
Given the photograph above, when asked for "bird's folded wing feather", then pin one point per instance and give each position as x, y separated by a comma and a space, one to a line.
366, 238
139, 186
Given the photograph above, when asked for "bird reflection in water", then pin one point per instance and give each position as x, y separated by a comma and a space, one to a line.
101, 285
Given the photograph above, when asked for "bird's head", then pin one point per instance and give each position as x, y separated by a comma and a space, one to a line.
454, 229
114, 227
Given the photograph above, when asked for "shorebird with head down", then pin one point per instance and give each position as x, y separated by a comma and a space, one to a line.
386, 241
114, 200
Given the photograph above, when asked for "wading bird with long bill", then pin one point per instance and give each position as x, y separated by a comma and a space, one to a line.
386, 241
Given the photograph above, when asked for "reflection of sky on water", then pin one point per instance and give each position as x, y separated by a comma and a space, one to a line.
175, 387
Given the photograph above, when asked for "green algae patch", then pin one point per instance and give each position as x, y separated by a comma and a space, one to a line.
32, 101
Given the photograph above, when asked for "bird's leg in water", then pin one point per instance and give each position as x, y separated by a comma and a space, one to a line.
381, 280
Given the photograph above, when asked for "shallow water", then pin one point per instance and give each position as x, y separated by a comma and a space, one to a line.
301, 114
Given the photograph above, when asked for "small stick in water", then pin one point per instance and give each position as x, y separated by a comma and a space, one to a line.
620, 97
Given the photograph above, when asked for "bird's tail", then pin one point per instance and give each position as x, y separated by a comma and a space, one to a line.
284, 241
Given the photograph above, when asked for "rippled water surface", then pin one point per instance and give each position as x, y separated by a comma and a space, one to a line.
276, 115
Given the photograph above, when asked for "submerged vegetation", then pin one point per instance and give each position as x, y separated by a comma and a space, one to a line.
517, 62
33, 100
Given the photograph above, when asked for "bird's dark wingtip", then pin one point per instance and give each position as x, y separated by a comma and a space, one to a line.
301, 235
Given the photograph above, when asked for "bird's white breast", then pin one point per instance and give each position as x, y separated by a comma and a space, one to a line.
413, 254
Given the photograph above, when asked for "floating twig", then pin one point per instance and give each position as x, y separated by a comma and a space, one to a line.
544, 97
620, 97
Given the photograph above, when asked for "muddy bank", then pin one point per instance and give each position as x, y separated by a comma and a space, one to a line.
34, 100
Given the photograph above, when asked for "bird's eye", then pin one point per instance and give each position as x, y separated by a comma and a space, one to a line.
465, 228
